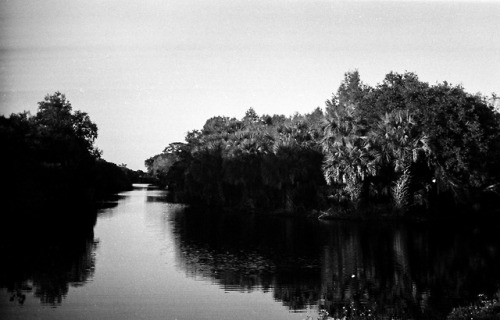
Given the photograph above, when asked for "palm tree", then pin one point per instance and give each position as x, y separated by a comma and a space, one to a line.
347, 158
396, 144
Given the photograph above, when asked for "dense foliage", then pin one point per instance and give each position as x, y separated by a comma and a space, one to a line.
403, 144
269, 162
50, 158
483, 309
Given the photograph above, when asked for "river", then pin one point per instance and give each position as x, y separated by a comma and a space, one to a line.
149, 259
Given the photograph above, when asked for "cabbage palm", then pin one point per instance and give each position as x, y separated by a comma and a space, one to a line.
396, 144
397, 141
347, 158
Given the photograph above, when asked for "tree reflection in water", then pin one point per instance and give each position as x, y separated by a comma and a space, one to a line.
399, 270
45, 258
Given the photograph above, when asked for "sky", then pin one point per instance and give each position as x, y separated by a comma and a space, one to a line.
147, 72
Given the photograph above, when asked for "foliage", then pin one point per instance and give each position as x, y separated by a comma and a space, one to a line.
409, 141
351, 311
400, 192
404, 143
109, 179
51, 157
259, 162
62, 132
483, 309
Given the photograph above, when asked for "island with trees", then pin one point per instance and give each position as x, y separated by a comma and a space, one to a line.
403, 148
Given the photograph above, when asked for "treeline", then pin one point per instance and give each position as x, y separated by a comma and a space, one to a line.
401, 146
49, 161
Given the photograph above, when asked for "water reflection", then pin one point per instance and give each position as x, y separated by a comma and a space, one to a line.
44, 260
403, 270
156, 196
389, 270
107, 206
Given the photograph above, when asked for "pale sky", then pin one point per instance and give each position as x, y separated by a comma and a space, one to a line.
147, 72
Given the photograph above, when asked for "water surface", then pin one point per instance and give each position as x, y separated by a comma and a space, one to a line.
148, 259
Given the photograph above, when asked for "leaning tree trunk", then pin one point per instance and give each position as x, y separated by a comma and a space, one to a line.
401, 192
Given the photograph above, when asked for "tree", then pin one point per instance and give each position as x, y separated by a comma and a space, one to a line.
250, 116
410, 139
52, 158
462, 131
348, 161
397, 145
402, 142
65, 137
351, 90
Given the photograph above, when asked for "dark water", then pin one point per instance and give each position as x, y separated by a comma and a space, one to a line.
147, 259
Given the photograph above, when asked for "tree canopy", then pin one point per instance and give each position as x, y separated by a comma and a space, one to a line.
403, 142
50, 157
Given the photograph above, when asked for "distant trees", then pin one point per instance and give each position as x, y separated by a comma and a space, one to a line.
403, 144
258, 162
50, 157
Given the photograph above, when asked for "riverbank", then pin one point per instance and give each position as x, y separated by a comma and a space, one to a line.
487, 210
